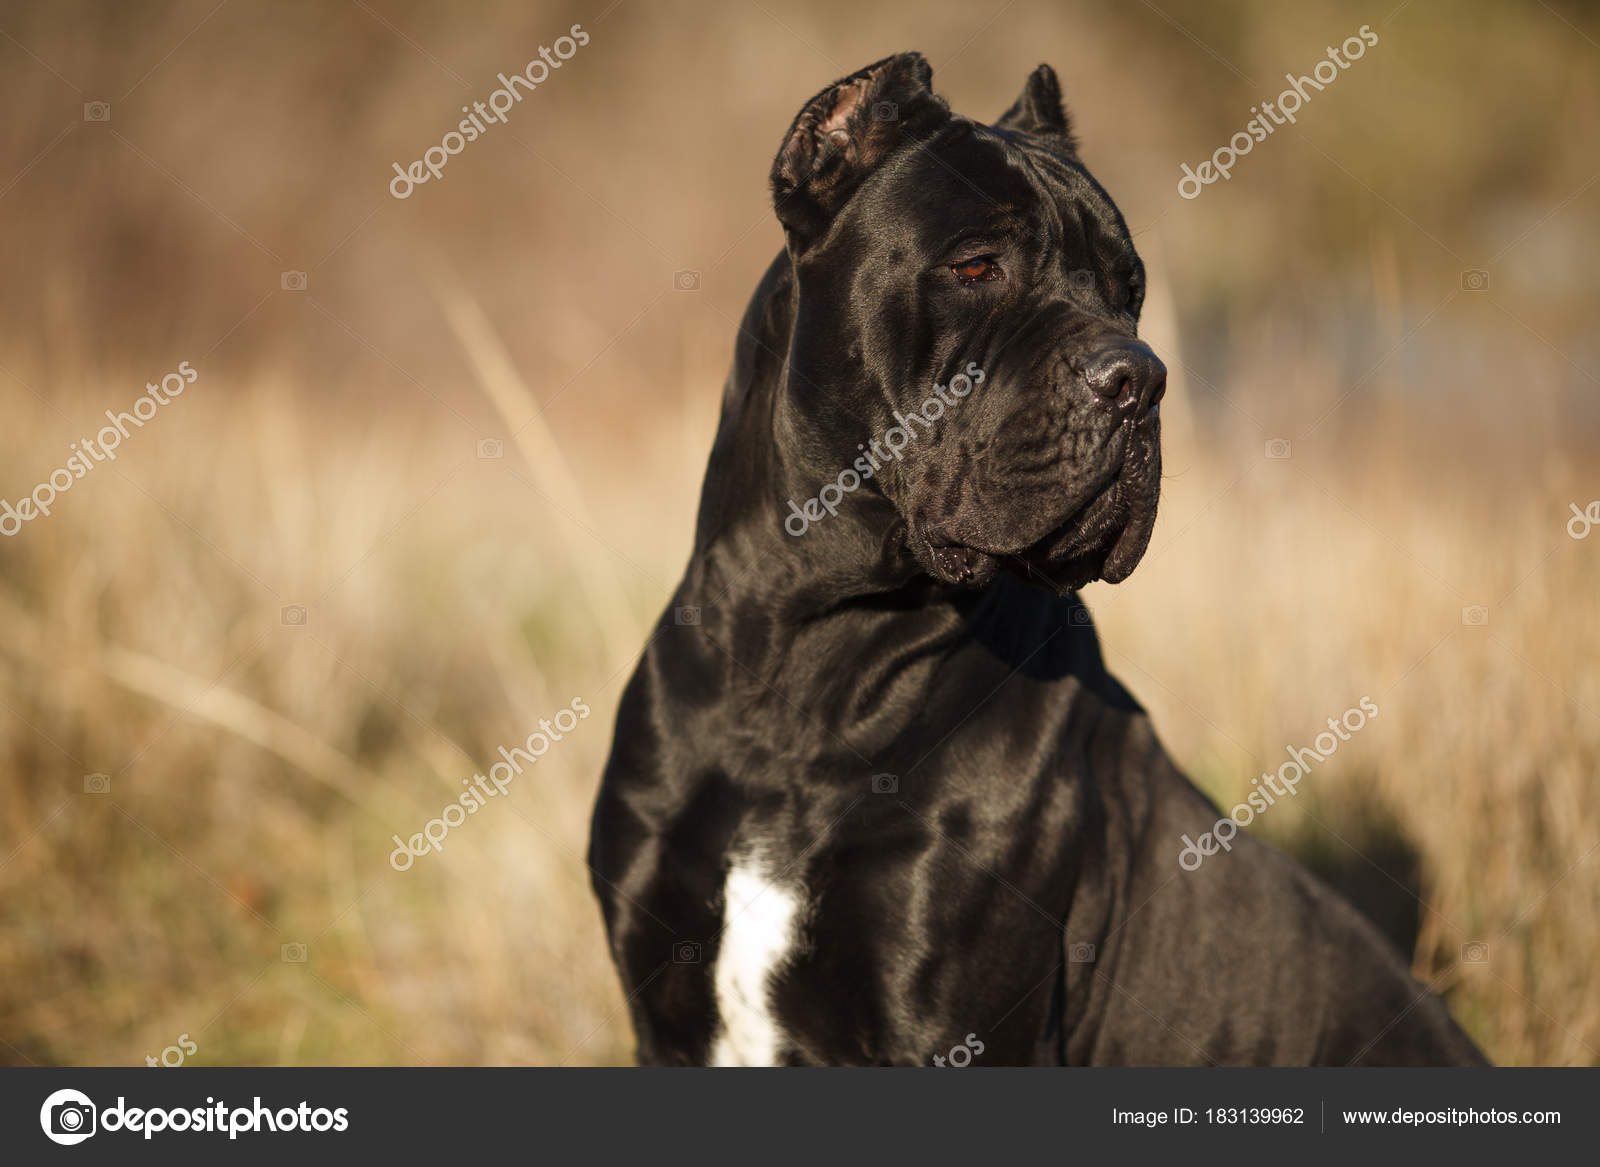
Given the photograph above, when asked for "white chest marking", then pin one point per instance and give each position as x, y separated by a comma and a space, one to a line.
760, 919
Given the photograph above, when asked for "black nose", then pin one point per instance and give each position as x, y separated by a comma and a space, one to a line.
1128, 375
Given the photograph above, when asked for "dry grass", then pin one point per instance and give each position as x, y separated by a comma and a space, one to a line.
258, 769
326, 459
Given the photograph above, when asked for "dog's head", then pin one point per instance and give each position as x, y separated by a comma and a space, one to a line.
966, 329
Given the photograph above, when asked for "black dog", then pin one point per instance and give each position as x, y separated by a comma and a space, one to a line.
873, 797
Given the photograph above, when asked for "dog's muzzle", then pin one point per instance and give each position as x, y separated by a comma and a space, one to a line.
1067, 489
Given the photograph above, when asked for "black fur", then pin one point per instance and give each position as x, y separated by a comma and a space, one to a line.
927, 633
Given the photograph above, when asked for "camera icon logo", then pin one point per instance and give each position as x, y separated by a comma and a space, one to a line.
67, 1117
687, 617
293, 616
686, 280
1475, 952
97, 783
885, 111
97, 111
686, 952
292, 953
1080, 953
292, 281
490, 448
1278, 448
885, 784
1475, 279
1475, 615
1081, 280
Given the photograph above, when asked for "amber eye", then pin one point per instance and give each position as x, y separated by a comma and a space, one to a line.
976, 271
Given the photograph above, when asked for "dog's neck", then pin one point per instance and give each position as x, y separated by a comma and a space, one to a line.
761, 462
792, 611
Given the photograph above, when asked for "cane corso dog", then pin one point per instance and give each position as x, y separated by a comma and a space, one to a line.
873, 797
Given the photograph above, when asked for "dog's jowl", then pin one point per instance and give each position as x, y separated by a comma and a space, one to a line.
882, 799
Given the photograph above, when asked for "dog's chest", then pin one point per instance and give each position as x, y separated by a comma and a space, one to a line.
762, 914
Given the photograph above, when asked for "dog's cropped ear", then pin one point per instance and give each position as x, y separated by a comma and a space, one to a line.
1039, 110
844, 133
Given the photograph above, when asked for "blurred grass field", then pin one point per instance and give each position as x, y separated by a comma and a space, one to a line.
328, 458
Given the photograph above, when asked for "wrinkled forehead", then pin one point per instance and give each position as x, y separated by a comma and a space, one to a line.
971, 178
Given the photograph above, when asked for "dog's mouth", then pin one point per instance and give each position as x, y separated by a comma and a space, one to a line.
1103, 539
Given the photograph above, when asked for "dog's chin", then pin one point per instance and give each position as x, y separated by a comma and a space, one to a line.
1103, 539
